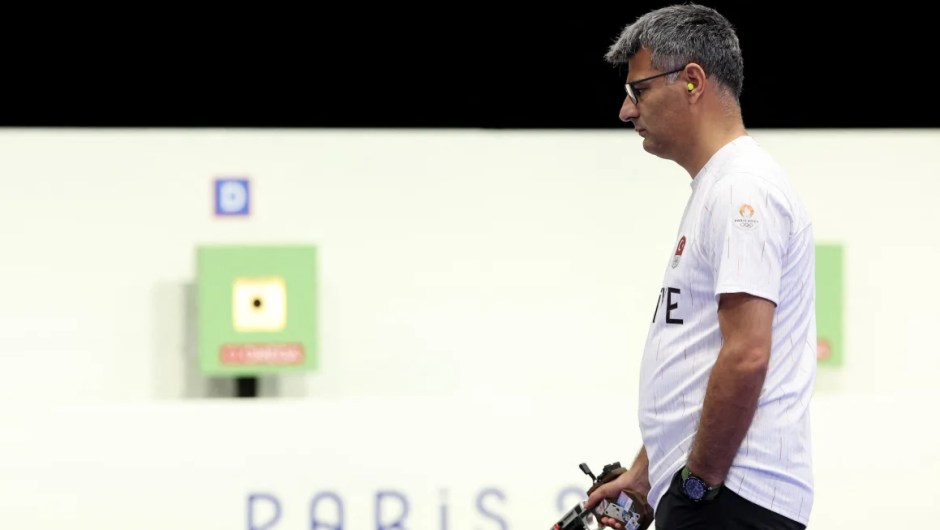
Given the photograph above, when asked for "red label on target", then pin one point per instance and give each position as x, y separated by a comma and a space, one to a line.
261, 354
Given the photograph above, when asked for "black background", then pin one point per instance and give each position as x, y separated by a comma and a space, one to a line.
452, 66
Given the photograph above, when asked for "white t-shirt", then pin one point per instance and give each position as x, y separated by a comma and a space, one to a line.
744, 230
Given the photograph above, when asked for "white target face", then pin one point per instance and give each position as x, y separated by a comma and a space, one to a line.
259, 304
233, 196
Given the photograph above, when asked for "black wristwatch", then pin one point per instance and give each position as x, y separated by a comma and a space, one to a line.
697, 489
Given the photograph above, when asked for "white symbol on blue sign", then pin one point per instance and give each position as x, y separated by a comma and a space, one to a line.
231, 196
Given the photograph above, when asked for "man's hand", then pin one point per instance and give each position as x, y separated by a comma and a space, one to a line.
634, 483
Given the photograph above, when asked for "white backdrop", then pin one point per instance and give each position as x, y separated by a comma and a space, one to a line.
484, 297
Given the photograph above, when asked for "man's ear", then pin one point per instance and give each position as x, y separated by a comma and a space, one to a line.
695, 78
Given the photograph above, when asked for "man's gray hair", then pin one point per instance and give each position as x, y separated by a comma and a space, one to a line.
685, 33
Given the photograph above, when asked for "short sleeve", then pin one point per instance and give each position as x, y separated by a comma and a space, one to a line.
745, 234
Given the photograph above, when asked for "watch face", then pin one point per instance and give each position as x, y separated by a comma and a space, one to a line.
694, 488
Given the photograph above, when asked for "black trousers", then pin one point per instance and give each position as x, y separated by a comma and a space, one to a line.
727, 511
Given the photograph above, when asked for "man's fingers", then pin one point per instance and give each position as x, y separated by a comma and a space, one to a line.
595, 497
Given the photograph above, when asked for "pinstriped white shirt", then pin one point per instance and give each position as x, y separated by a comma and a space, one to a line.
744, 229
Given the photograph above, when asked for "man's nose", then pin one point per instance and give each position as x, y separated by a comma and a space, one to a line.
628, 110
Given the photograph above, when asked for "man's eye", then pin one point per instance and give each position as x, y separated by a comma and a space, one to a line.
638, 91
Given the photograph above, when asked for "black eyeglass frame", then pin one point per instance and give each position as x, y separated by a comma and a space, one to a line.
629, 86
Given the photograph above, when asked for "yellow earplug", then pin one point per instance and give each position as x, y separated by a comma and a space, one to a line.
691, 87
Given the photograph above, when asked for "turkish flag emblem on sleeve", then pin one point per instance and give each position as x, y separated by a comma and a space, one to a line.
679, 248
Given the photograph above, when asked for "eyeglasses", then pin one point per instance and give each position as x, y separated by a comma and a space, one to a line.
634, 93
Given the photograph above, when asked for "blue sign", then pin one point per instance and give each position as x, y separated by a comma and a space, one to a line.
232, 197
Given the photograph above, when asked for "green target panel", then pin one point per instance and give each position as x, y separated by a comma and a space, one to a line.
257, 311
829, 304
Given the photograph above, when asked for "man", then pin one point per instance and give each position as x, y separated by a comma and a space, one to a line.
730, 360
